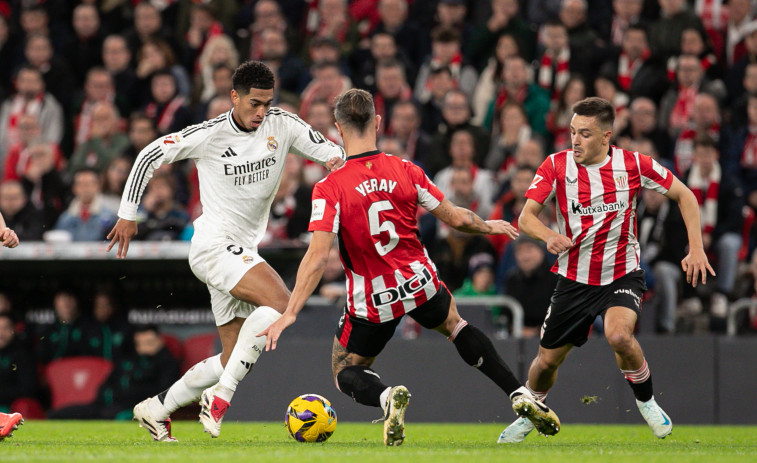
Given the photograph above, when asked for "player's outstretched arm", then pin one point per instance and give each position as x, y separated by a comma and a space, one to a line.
465, 220
308, 276
695, 263
122, 233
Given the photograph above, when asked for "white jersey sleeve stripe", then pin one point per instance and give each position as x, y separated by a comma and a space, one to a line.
426, 199
143, 171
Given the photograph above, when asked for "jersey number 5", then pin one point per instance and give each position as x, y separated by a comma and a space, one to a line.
376, 227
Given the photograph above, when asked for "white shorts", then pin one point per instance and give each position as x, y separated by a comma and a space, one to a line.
221, 264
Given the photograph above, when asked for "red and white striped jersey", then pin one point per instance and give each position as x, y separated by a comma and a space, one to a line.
371, 204
597, 210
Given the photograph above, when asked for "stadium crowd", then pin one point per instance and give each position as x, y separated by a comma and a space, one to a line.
477, 93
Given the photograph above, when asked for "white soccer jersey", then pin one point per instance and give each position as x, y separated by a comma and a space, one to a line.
239, 170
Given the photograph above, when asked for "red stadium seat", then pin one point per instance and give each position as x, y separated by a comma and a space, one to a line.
198, 348
174, 346
29, 407
75, 380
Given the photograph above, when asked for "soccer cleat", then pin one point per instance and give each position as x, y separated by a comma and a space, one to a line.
160, 430
656, 418
516, 432
543, 418
9, 423
212, 409
394, 415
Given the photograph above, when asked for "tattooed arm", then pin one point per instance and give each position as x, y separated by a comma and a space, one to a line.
465, 220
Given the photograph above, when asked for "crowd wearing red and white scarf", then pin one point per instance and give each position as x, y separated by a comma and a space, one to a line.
706, 190
554, 71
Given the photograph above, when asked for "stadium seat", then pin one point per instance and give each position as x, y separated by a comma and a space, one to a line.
174, 346
198, 348
29, 407
75, 380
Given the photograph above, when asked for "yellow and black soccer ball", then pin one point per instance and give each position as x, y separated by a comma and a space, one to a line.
310, 418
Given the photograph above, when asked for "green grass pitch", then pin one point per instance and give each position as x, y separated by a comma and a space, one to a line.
257, 442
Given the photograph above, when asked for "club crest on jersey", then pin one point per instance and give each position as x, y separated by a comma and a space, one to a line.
621, 181
272, 144
369, 164
171, 139
248, 259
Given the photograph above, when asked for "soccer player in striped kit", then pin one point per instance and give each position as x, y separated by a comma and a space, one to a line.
370, 204
596, 187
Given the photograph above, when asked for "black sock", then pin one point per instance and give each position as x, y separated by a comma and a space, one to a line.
478, 351
642, 391
362, 384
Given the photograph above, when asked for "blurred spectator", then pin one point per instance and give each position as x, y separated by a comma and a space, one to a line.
321, 118
167, 107
71, 335
43, 181
267, 16
705, 118
85, 50
509, 205
491, 77
333, 283
290, 210
642, 123
558, 118
224, 14
117, 61
559, 60
662, 239
461, 150
514, 132
150, 371
440, 81
217, 106
218, 51
445, 53
20, 215
328, 83
98, 88
32, 99
331, 19
530, 282
326, 50
408, 36
291, 73
142, 132
625, 13
720, 200
737, 112
383, 49
221, 76
739, 19
531, 154
58, 77
115, 330
678, 103
518, 86
693, 42
456, 116
106, 139
573, 14
391, 88
156, 56
18, 371
607, 88
148, 25
29, 132
735, 74
634, 68
406, 127
114, 178
743, 153
8, 56
480, 278
504, 20
665, 32
162, 218
90, 216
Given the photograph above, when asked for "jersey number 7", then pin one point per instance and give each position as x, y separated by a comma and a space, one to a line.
376, 227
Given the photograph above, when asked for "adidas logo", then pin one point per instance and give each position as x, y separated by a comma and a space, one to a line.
229, 153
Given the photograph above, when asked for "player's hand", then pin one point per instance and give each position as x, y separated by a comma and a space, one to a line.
558, 243
274, 330
334, 163
8, 238
694, 264
122, 233
502, 227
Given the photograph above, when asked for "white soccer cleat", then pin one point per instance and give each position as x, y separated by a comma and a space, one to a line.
516, 432
160, 430
656, 418
212, 410
542, 417
394, 415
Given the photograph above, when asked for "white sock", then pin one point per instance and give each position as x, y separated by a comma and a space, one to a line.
520, 391
246, 351
384, 395
540, 396
188, 389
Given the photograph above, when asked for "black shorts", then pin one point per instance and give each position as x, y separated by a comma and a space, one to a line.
574, 307
368, 339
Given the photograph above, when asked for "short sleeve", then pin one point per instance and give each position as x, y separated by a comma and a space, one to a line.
429, 196
325, 208
542, 187
654, 176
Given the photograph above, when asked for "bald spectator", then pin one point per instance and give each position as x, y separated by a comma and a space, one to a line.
20, 215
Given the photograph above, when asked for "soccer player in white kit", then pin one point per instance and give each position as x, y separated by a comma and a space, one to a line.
240, 159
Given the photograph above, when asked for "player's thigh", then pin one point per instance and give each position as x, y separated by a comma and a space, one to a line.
439, 313
623, 302
359, 342
261, 285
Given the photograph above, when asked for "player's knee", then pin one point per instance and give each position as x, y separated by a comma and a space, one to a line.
619, 340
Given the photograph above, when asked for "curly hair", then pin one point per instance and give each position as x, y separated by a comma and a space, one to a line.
252, 74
